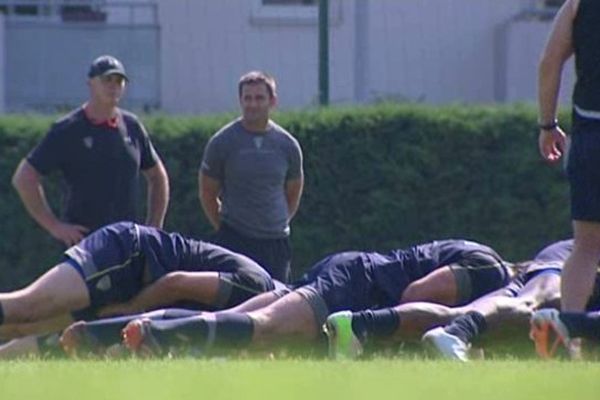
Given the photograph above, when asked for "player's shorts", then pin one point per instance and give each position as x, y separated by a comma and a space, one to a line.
237, 287
111, 264
583, 169
340, 282
477, 274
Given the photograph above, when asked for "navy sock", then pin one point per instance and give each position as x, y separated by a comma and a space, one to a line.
375, 323
467, 326
108, 331
181, 331
584, 325
1, 314
231, 330
172, 313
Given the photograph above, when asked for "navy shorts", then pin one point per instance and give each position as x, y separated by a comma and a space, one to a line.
341, 282
478, 274
111, 264
583, 170
237, 287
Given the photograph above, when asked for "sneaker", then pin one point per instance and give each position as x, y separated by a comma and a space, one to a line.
446, 345
77, 341
343, 343
548, 332
138, 338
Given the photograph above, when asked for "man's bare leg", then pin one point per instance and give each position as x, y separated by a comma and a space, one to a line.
580, 269
505, 316
50, 325
254, 303
20, 348
59, 291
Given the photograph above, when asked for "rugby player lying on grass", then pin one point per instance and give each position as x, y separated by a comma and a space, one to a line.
136, 266
503, 312
449, 272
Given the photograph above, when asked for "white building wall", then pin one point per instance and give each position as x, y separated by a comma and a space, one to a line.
525, 40
208, 45
435, 51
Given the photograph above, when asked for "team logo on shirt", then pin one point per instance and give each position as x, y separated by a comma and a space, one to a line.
104, 283
88, 141
258, 142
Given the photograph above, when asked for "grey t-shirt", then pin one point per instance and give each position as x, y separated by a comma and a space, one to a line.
253, 169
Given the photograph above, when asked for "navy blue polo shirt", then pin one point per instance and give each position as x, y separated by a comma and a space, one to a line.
100, 164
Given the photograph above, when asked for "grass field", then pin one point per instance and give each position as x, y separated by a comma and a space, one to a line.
299, 379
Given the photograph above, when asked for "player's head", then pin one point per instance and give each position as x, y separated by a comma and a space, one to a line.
107, 78
257, 93
258, 78
107, 65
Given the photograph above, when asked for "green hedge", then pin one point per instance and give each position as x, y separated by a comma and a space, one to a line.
377, 178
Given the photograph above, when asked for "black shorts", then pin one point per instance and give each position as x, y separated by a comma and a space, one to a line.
583, 170
274, 255
111, 264
341, 282
478, 274
237, 287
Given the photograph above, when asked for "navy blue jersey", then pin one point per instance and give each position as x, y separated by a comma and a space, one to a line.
166, 252
558, 251
100, 166
358, 280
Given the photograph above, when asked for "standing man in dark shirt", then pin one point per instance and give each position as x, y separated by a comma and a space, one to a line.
576, 30
251, 179
100, 150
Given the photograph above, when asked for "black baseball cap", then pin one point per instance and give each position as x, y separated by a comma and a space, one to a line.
107, 65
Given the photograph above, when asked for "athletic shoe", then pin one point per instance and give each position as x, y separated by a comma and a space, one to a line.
76, 341
138, 338
446, 344
343, 343
549, 332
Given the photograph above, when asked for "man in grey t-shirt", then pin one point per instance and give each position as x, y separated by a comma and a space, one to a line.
251, 179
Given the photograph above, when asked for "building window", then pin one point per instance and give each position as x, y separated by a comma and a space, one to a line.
67, 10
542, 10
289, 2
552, 3
292, 12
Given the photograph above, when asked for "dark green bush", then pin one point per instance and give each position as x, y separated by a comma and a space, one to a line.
376, 178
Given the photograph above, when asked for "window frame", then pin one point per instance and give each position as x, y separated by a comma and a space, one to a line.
293, 14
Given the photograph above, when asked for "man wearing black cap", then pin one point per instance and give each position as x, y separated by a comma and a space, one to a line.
100, 150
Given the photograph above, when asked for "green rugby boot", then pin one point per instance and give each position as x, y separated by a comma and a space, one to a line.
344, 344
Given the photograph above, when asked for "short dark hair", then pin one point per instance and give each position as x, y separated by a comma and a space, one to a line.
254, 77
